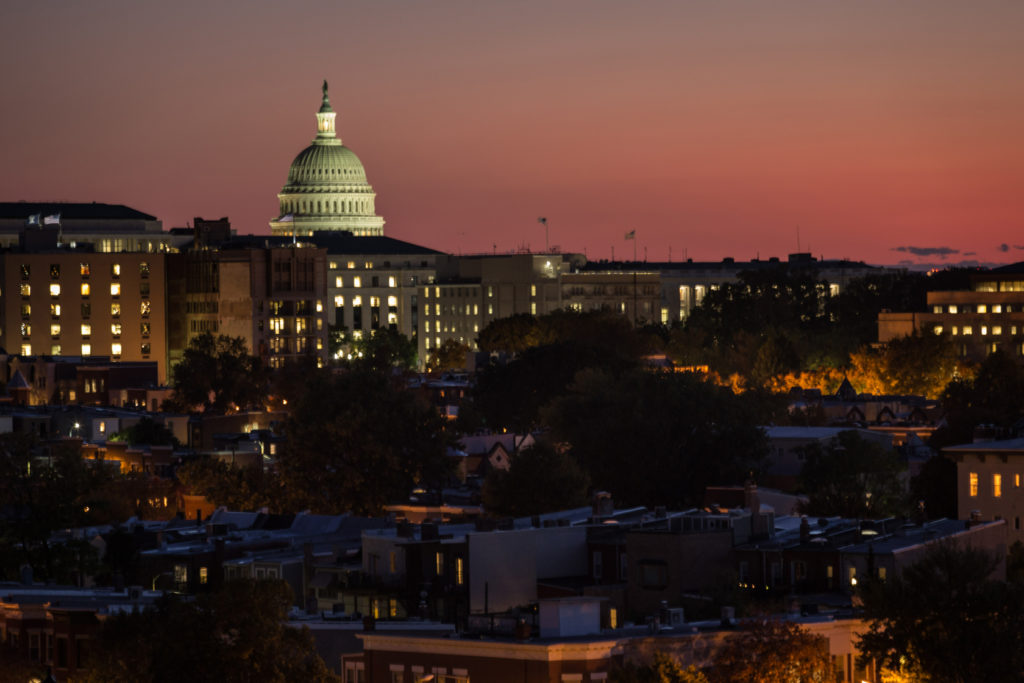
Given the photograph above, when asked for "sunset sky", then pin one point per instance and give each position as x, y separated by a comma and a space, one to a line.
883, 131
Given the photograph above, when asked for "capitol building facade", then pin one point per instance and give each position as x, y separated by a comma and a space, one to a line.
327, 188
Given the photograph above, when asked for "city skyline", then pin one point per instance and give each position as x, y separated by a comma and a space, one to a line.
873, 132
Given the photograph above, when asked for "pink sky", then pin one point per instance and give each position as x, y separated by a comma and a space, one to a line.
712, 128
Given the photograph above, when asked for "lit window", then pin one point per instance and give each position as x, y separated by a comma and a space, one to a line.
26, 330
339, 301
338, 282
391, 281
982, 308
54, 289
357, 301
955, 330
460, 571
85, 289
997, 308
144, 269
973, 483
937, 308
144, 329
333, 265
115, 310
319, 306
86, 349
357, 282
115, 289
952, 308
115, 270
997, 329
115, 349
1016, 481
26, 349
203, 575
145, 307
533, 290
368, 265
984, 330
55, 349
881, 573
375, 301
86, 329
55, 330
83, 268
115, 329
439, 563
276, 325
351, 265
26, 289
533, 308
997, 485
938, 329
968, 329
55, 310
26, 310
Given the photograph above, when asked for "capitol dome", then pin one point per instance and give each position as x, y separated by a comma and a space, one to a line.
327, 187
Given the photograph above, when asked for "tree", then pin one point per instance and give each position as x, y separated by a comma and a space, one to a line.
217, 373
450, 356
947, 619
238, 488
542, 478
663, 669
994, 396
42, 491
852, 477
237, 635
657, 438
772, 651
365, 447
385, 349
148, 432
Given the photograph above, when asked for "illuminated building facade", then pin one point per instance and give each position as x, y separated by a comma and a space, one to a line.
327, 188
76, 302
109, 228
987, 318
271, 294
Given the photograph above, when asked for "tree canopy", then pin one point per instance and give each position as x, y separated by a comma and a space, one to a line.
235, 635
852, 477
217, 373
772, 651
657, 438
946, 619
357, 441
542, 478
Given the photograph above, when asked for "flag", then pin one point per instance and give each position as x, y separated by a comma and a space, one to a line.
543, 221
34, 219
287, 218
52, 219
631, 235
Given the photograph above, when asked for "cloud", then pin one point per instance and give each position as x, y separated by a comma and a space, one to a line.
1018, 246
1004, 247
942, 252
970, 253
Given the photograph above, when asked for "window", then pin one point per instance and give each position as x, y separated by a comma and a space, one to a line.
357, 281
26, 271
83, 269
204, 575
55, 310
460, 571
145, 348
144, 308
338, 282
968, 329
997, 308
973, 484
391, 281
115, 270
144, 329
115, 329
26, 311
54, 271
439, 563
86, 309
997, 485
55, 330
54, 289
115, 310
144, 270
952, 308
115, 349
1016, 481
982, 308
26, 289
26, 349
85, 289
881, 573
26, 330
86, 349
86, 329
